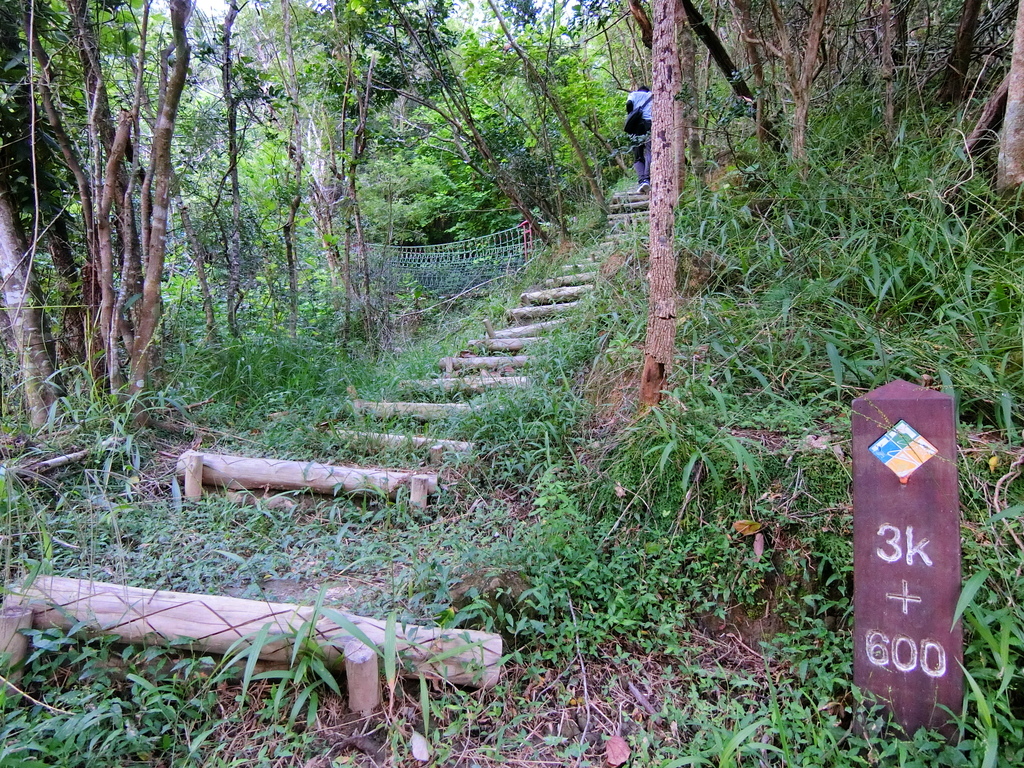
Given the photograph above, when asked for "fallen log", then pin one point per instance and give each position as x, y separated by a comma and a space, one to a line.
475, 384
421, 411
527, 330
545, 310
402, 441
555, 295
216, 624
504, 345
495, 361
238, 472
558, 282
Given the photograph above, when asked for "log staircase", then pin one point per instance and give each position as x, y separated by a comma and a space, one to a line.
626, 210
500, 360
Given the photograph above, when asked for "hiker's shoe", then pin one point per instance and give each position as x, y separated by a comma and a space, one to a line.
644, 188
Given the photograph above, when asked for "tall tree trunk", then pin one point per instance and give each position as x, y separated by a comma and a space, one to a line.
952, 89
108, 147
109, 326
21, 301
888, 69
659, 347
78, 322
765, 129
801, 72
158, 183
1010, 168
295, 155
235, 236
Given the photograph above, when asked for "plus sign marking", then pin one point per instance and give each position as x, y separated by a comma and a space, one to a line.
905, 596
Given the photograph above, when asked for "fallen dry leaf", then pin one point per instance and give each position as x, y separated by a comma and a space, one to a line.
616, 751
746, 527
759, 545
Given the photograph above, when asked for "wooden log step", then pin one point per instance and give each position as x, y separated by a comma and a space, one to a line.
405, 441
630, 196
217, 624
574, 279
504, 345
243, 472
421, 411
474, 384
495, 361
545, 310
532, 329
634, 205
554, 295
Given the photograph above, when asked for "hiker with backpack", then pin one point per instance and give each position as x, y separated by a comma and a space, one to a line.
638, 126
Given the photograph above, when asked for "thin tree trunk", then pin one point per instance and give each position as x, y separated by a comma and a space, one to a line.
78, 332
765, 130
235, 236
158, 179
985, 132
23, 313
888, 68
801, 73
659, 347
108, 324
1010, 168
644, 22
952, 89
295, 154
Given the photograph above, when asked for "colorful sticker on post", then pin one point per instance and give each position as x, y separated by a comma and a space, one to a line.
902, 449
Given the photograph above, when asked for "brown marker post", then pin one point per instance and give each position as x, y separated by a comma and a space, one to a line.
906, 561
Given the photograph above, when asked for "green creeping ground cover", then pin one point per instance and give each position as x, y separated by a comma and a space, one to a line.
680, 578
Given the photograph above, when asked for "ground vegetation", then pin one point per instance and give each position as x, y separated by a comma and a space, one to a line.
673, 582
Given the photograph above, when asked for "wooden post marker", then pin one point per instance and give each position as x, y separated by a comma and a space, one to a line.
362, 675
906, 562
13, 644
419, 489
193, 475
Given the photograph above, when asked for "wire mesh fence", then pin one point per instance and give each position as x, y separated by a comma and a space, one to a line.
449, 268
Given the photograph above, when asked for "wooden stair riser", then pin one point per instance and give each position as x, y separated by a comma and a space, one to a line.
531, 329
474, 384
505, 345
482, 363
546, 310
580, 278
554, 295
